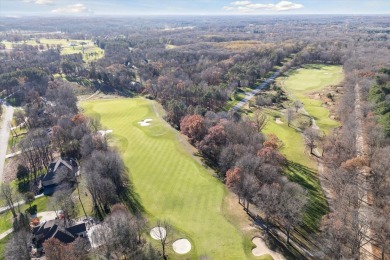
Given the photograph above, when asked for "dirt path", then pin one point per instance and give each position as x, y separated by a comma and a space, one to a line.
364, 188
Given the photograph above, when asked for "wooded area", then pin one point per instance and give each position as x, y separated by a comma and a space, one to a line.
198, 74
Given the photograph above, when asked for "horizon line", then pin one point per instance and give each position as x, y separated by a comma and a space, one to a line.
188, 14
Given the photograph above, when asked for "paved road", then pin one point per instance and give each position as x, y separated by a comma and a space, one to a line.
4, 135
251, 94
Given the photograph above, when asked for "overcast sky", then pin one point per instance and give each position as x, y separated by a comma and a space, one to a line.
177, 7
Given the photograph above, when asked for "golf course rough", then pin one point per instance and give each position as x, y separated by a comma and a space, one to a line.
171, 184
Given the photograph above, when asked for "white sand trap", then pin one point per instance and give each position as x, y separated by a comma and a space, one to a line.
158, 233
181, 246
278, 121
262, 249
326, 73
146, 122
103, 133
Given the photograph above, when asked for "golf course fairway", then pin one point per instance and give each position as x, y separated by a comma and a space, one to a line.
171, 184
312, 78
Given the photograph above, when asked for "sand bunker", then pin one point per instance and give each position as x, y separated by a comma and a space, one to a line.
181, 246
278, 121
158, 233
103, 133
146, 122
262, 249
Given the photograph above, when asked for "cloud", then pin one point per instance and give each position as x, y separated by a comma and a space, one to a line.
249, 7
72, 9
228, 8
241, 3
39, 2
286, 5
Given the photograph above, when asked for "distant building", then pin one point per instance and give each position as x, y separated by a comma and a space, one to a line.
49, 182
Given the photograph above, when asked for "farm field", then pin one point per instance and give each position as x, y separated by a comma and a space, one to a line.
171, 184
91, 52
299, 84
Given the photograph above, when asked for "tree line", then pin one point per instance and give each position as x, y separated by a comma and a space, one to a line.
250, 165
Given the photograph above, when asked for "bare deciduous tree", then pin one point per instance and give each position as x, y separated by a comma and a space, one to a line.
260, 119
289, 116
17, 247
7, 194
312, 136
297, 105
292, 203
163, 231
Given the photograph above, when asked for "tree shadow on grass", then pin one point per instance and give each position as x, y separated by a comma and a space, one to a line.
317, 205
23, 187
132, 200
129, 197
32, 210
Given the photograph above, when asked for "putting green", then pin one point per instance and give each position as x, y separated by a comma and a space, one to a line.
300, 83
172, 185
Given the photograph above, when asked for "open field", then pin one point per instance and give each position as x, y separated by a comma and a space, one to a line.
299, 84
172, 185
89, 50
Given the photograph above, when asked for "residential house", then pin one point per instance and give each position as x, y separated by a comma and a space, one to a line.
60, 166
55, 229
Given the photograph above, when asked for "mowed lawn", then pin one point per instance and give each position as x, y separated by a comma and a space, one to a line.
172, 185
301, 169
293, 143
300, 83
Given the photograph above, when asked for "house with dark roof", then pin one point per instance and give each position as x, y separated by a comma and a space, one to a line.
60, 166
55, 229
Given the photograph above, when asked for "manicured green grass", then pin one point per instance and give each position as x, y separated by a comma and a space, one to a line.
301, 169
294, 146
6, 217
172, 185
300, 83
